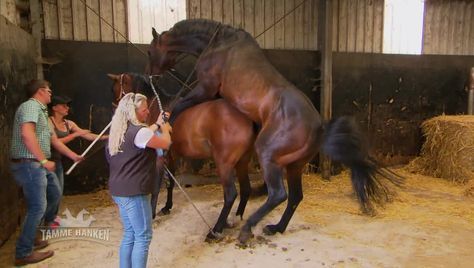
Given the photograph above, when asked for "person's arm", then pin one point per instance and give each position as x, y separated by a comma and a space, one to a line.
28, 134
63, 149
69, 137
163, 141
84, 133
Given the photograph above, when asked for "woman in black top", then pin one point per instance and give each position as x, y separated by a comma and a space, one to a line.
66, 130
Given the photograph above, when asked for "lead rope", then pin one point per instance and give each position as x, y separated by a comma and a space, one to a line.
160, 107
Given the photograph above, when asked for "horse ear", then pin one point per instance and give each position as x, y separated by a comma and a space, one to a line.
114, 76
155, 34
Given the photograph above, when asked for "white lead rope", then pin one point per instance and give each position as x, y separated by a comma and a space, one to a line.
171, 174
189, 199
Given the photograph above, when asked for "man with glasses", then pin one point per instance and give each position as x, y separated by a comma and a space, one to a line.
30, 150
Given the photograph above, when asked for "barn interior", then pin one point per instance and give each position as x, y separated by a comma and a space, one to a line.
391, 64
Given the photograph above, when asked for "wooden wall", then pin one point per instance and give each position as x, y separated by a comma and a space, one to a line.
357, 24
449, 27
72, 20
17, 67
298, 30
162, 15
8, 10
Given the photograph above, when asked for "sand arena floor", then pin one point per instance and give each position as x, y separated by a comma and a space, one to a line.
430, 223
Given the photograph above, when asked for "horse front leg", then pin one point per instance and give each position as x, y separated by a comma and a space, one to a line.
169, 197
157, 185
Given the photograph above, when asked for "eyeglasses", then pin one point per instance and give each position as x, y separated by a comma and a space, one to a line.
48, 90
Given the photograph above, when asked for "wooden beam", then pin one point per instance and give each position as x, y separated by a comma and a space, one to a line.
325, 44
36, 31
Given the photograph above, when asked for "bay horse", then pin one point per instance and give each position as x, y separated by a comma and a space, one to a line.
214, 130
232, 66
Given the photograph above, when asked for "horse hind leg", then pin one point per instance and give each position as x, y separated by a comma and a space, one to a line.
273, 175
230, 194
295, 195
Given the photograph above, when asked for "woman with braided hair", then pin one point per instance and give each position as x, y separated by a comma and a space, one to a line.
132, 156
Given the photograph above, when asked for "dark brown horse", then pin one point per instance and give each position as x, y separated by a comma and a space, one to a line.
210, 130
231, 65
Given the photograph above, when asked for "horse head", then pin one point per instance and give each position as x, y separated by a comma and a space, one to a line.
136, 83
160, 54
122, 84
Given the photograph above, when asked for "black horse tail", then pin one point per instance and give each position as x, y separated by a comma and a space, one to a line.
344, 142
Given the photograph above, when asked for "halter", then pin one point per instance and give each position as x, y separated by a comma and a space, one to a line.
122, 93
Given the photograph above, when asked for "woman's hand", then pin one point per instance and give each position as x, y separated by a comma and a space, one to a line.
162, 118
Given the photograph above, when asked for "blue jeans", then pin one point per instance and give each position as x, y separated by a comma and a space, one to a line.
135, 212
42, 193
60, 175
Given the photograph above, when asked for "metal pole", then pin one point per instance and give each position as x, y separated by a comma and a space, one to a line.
470, 90
88, 148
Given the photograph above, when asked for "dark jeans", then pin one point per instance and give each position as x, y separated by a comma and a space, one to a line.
42, 193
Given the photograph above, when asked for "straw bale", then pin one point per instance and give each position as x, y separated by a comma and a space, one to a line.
448, 150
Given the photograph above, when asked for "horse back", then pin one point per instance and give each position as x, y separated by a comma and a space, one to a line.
203, 129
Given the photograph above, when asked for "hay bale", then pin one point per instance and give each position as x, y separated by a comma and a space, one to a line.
448, 151
469, 189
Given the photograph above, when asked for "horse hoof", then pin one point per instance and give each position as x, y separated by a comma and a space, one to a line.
164, 212
270, 229
229, 225
213, 237
244, 236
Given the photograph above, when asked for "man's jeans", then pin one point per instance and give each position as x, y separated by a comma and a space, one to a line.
135, 212
41, 192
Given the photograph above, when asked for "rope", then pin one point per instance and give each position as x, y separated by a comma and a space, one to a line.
159, 105
173, 102
189, 199
126, 39
284, 16
158, 100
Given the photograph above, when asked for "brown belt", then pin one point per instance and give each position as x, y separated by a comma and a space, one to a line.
23, 160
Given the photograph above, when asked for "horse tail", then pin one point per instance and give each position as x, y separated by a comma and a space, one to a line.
344, 142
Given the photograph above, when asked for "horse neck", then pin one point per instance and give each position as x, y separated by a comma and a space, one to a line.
194, 44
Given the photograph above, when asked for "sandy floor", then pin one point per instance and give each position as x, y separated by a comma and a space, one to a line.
429, 224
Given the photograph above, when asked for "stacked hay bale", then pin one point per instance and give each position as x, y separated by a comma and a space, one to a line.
448, 151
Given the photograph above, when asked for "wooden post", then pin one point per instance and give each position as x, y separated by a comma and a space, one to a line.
36, 31
325, 45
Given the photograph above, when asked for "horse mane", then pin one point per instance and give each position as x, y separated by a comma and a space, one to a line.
207, 27
141, 84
